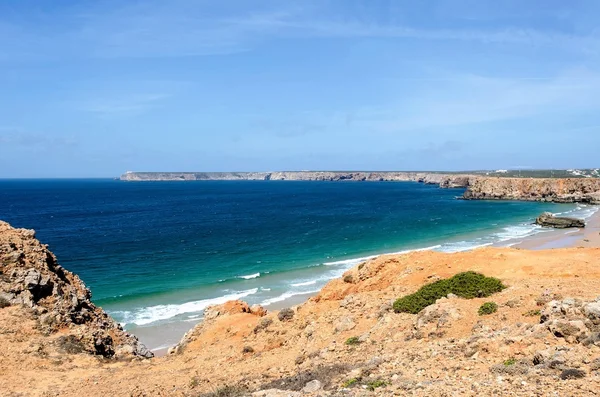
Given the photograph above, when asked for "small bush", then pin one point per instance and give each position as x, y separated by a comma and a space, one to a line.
532, 313
194, 382
350, 382
247, 349
488, 308
467, 285
348, 278
227, 391
375, 384
352, 341
572, 373
262, 325
285, 314
70, 344
509, 362
4, 303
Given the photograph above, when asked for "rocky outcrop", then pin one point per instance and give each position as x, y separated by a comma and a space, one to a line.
30, 277
213, 314
547, 219
441, 179
569, 190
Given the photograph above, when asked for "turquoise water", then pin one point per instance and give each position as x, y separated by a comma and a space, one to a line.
154, 254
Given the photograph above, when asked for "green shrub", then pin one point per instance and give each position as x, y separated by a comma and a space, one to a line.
510, 361
375, 384
488, 308
227, 391
352, 341
532, 313
467, 285
350, 382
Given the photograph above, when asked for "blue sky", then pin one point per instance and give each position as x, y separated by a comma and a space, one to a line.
95, 88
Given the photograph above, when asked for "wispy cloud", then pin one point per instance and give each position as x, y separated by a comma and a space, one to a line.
25, 139
471, 99
125, 105
190, 28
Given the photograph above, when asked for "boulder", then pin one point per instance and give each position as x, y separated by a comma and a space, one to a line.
312, 387
547, 219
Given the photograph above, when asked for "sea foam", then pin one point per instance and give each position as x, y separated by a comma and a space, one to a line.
151, 314
250, 276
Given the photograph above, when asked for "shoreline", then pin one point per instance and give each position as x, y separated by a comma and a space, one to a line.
587, 237
553, 239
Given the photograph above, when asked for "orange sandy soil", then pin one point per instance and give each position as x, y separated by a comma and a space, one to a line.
394, 348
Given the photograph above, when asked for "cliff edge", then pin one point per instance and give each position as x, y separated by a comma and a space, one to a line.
56, 300
567, 190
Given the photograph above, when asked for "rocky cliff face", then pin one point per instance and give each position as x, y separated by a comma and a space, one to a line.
535, 189
31, 278
443, 180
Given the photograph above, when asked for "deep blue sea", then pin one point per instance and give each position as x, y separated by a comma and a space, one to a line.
157, 253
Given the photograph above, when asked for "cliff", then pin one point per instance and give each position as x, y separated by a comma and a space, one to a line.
544, 338
58, 302
444, 180
568, 190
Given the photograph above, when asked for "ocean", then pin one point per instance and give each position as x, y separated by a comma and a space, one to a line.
155, 254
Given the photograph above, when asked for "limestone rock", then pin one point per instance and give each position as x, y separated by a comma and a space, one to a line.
312, 386
549, 220
344, 324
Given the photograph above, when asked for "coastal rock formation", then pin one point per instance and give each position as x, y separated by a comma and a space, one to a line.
442, 179
32, 279
570, 190
549, 220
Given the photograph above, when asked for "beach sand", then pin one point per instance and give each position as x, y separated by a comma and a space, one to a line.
566, 238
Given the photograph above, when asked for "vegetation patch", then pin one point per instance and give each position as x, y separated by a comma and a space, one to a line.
285, 314
352, 341
487, 308
4, 303
351, 382
532, 313
70, 344
466, 285
376, 384
572, 373
227, 391
263, 324
324, 374
509, 362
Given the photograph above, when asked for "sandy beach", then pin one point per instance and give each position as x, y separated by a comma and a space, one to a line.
566, 238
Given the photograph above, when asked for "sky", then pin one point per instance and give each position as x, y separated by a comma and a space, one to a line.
97, 88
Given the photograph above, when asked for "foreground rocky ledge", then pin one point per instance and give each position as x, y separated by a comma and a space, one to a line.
57, 300
346, 341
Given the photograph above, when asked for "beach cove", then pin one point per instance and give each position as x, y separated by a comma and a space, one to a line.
156, 255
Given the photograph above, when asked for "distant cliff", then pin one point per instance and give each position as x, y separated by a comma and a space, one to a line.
558, 190
441, 179
564, 190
